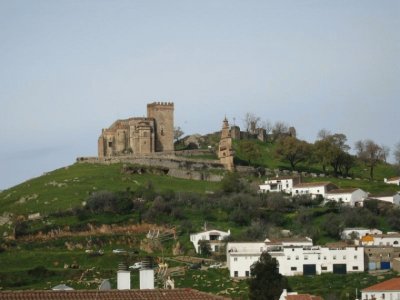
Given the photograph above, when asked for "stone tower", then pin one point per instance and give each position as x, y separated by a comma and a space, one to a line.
225, 149
163, 114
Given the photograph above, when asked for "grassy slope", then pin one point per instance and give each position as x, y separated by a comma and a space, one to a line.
79, 180
76, 182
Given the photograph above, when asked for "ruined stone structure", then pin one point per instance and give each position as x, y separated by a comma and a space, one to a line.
225, 149
139, 136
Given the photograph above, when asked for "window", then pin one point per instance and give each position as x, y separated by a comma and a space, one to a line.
355, 268
216, 248
247, 273
344, 256
324, 257
355, 256
110, 144
395, 242
297, 191
293, 269
236, 274
334, 257
324, 268
305, 257
288, 258
297, 257
235, 259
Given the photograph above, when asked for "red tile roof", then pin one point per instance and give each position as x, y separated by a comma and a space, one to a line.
388, 285
303, 297
176, 294
394, 178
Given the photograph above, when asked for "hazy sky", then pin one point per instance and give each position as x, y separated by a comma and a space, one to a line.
69, 68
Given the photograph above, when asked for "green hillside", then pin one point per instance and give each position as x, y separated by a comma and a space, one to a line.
101, 207
68, 187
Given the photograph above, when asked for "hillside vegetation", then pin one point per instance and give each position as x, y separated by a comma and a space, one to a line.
100, 207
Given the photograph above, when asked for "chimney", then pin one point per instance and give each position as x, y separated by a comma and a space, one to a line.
123, 278
146, 274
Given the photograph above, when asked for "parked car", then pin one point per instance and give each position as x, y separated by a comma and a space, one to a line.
136, 265
215, 266
119, 251
195, 266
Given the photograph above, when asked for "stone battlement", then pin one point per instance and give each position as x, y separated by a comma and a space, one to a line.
164, 104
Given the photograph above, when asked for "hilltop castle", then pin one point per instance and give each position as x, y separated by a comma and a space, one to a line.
154, 133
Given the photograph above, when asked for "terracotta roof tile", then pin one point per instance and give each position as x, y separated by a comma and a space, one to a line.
394, 178
176, 294
388, 285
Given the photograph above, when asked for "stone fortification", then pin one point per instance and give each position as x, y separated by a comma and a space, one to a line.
138, 136
175, 166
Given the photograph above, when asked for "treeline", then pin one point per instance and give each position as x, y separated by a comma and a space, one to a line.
330, 150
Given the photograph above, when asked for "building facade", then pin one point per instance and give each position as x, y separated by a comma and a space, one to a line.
313, 188
279, 184
214, 237
143, 135
351, 197
386, 290
295, 257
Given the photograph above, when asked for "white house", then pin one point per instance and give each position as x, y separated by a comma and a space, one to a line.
313, 188
351, 197
295, 296
393, 198
393, 180
386, 290
279, 184
215, 237
298, 257
349, 233
392, 239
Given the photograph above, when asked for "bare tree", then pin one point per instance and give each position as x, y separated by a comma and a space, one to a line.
385, 152
370, 153
280, 128
251, 122
397, 153
178, 132
267, 126
323, 134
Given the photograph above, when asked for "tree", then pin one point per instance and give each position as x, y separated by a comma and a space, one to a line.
178, 132
293, 150
332, 150
397, 153
370, 153
205, 247
280, 129
250, 150
231, 183
266, 282
267, 126
385, 152
251, 122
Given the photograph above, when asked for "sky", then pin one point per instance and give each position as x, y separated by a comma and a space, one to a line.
69, 68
